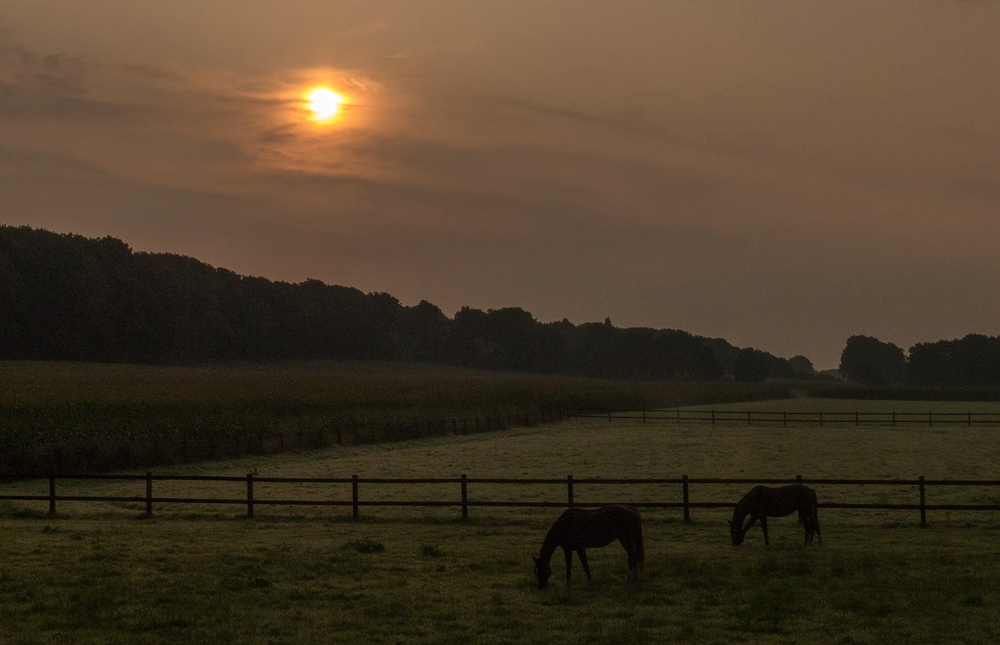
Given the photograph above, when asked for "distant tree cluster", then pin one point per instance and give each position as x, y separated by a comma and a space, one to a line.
973, 361
67, 297
970, 361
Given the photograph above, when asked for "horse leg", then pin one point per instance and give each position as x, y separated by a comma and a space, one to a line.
819, 538
750, 522
633, 558
569, 563
763, 527
583, 561
632, 549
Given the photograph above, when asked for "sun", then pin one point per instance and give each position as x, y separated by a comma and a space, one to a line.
324, 104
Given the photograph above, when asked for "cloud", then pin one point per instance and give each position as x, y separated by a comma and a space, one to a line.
970, 136
367, 29
36, 86
58, 72
455, 47
634, 125
157, 73
984, 190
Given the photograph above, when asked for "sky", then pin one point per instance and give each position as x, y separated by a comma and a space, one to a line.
781, 174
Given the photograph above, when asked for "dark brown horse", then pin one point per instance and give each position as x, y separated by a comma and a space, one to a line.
763, 502
578, 529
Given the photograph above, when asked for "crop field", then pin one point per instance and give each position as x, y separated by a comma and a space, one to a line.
99, 573
75, 417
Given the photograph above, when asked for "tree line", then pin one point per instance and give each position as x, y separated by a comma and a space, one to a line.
68, 297
972, 361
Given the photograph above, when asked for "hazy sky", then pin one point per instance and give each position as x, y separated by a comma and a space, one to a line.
780, 174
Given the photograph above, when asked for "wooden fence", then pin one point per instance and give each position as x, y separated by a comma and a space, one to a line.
770, 418
462, 499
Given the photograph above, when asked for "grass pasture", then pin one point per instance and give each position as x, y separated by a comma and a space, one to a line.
812, 404
101, 573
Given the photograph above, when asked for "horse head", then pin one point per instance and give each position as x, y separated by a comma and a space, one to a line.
735, 533
543, 570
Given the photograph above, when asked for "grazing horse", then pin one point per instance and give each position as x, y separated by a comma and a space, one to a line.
763, 502
578, 529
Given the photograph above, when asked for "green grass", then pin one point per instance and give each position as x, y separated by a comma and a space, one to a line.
100, 580
809, 404
97, 573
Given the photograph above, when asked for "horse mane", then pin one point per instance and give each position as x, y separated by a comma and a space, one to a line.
550, 543
742, 507
745, 500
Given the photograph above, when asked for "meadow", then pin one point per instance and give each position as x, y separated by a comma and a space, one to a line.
100, 573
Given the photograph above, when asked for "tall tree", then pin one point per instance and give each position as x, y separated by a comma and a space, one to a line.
869, 361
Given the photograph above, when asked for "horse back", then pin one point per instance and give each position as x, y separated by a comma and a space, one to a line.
781, 501
591, 528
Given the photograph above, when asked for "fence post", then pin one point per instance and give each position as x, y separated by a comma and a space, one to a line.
713, 417
644, 417
856, 418
821, 419
970, 419
748, 417
569, 489
784, 419
930, 419
798, 479
250, 495
609, 416
149, 493
893, 418
923, 507
687, 501
52, 494
465, 498
354, 495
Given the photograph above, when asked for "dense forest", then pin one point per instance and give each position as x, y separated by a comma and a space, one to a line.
67, 297
972, 361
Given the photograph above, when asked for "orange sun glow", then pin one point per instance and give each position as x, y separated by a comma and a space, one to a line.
324, 104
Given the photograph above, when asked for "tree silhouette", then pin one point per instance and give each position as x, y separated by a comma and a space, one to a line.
869, 361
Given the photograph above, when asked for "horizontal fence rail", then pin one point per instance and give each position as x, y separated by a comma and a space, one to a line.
463, 500
782, 418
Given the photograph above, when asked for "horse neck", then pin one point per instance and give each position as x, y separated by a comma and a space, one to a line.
549, 545
741, 511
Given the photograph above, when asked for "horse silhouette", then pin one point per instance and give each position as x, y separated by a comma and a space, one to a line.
763, 502
578, 529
